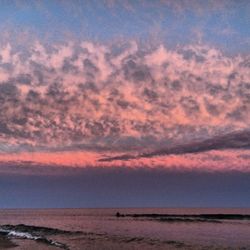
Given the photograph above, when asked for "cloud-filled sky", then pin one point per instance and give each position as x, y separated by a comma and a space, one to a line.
135, 84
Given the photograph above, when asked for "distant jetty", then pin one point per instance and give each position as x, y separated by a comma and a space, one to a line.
188, 217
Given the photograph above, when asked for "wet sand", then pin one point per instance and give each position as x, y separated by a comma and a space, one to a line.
6, 243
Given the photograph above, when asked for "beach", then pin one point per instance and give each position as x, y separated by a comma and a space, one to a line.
6, 243
134, 228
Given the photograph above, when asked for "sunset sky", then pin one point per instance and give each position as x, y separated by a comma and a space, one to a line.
124, 103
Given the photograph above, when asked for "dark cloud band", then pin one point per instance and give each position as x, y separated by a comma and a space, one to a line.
236, 140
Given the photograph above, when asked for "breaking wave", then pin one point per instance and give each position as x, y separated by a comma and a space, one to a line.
34, 233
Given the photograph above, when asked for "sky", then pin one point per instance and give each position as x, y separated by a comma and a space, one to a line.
124, 103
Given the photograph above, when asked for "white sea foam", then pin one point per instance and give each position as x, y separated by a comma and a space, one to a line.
24, 235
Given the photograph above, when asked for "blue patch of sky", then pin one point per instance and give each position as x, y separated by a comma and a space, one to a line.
97, 21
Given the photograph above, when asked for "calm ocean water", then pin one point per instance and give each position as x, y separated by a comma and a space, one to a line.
103, 230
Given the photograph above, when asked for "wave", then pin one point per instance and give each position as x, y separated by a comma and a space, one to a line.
38, 234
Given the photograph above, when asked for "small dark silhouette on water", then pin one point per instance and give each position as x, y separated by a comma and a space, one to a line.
119, 215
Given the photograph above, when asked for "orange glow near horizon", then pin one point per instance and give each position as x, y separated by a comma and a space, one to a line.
227, 159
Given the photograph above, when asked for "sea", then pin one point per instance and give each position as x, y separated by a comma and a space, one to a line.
100, 228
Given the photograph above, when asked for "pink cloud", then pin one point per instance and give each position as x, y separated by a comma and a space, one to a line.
134, 98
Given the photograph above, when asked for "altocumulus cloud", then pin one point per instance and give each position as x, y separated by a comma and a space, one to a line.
118, 97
